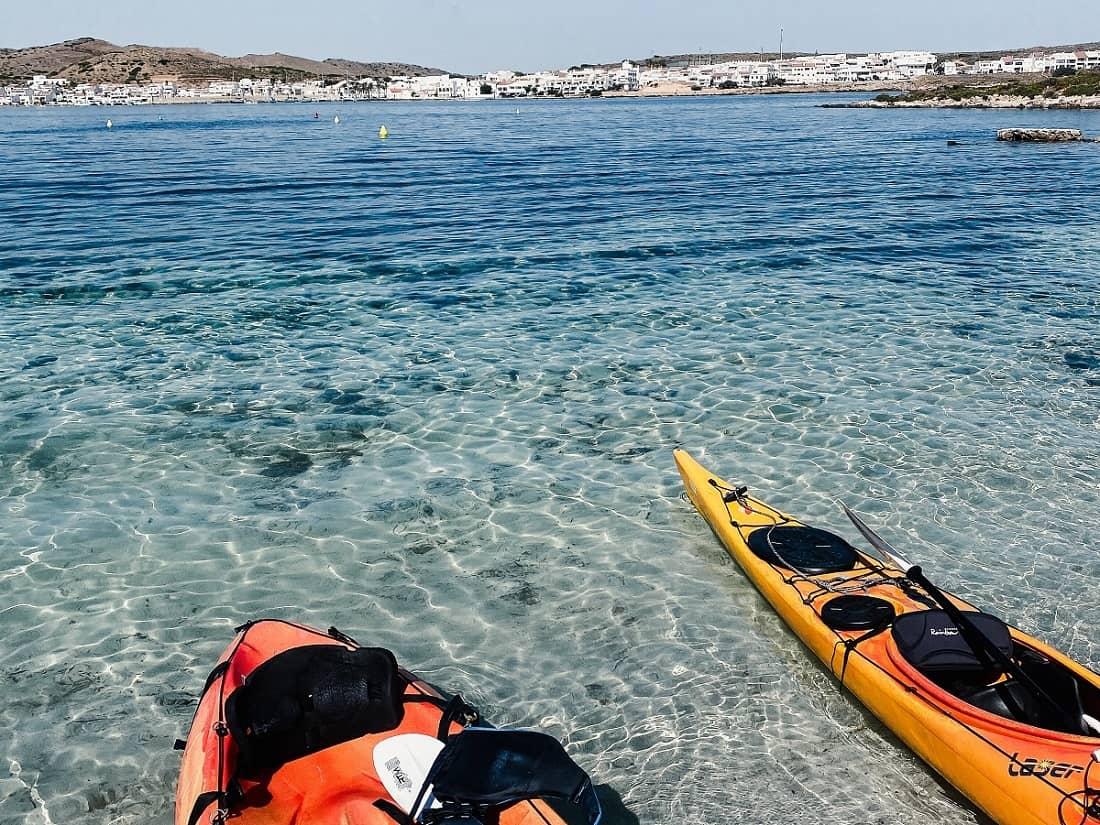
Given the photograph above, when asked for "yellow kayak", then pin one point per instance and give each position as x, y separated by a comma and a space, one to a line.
1007, 720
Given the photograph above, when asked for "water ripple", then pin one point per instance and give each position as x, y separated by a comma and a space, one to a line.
426, 390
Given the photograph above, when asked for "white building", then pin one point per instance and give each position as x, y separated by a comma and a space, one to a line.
1024, 64
516, 86
625, 77
910, 64
586, 81
805, 72
223, 88
745, 74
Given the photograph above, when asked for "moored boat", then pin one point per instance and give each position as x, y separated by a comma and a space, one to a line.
296, 725
1009, 721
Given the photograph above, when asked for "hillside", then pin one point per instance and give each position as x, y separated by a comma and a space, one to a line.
87, 60
700, 59
970, 57
20, 63
728, 57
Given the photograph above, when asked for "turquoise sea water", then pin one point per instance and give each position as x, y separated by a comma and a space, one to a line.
256, 364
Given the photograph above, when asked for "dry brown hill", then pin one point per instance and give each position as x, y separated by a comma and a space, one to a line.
87, 60
18, 63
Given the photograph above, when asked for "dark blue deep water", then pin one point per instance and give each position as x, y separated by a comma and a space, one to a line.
426, 389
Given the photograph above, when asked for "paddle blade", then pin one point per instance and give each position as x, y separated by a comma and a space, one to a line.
878, 542
402, 763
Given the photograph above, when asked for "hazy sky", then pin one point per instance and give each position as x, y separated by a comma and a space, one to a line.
472, 36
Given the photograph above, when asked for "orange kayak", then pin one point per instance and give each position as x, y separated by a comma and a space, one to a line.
1007, 720
296, 725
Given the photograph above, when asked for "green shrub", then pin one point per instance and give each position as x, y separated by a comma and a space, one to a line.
1077, 83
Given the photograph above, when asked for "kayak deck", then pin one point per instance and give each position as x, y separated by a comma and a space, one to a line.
1019, 773
334, 786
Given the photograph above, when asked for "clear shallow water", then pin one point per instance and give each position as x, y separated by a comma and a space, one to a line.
426, 390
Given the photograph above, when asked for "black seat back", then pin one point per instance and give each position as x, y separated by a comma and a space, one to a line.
931, 642
309, 698
482, 770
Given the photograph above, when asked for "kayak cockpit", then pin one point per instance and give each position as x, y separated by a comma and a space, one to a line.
1034, 689
1008, 697
296, 725
1037, 691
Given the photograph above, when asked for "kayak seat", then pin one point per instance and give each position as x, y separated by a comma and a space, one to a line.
484, 770
806, 550
1008, 699
309, 698
1012, 700
1062, 686
930, 642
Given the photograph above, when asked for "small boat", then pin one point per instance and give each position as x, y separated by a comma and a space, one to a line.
1007, 720
296, 725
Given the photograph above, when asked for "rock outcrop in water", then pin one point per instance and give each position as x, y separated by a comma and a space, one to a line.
1040, 135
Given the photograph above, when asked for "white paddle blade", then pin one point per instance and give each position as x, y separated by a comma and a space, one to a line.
1093, 723
878, 542
402, 763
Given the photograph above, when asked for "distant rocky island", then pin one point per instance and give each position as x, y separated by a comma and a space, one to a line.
88, 60
1068, 90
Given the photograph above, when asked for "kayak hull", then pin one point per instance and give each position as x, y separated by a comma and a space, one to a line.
334, 786
1018, 774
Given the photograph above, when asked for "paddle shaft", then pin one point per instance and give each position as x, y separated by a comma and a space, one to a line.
982, 647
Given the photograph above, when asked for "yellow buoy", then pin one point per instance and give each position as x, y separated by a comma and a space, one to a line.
383, 133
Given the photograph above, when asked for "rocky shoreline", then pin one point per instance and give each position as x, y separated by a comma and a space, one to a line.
1072, 90
992, 101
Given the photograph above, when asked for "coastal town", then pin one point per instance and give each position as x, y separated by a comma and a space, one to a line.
696, 74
